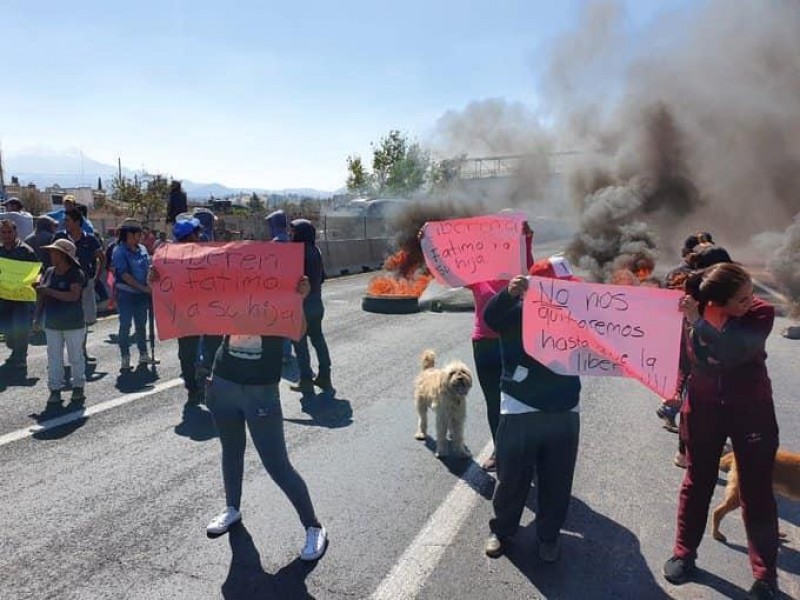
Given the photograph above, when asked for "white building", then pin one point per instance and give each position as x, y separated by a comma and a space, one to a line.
55, 195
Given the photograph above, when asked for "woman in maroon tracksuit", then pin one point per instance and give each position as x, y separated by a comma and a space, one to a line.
729, 394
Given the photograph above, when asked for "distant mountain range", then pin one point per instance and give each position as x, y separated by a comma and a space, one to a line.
72, 169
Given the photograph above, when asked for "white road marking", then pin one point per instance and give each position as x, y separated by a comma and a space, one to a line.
421, 557
26, 432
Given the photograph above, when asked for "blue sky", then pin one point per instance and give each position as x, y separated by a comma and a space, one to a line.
259, 93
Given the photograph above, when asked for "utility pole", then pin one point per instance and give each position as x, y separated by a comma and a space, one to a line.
2, 179
119, 166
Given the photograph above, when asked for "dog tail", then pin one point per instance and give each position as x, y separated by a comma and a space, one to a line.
428, 359
726, 462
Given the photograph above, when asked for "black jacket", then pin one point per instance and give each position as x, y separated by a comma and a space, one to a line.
303, 231
535, 384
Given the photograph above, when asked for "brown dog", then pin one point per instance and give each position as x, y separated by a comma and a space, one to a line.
785, 482
444, 391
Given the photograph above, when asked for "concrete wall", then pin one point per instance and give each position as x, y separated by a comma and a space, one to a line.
354, 256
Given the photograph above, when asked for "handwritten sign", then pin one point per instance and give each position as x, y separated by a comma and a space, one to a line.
228, 288
607, 330
461, 252
16, 279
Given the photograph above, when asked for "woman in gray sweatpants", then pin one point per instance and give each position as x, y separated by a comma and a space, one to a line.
244, 390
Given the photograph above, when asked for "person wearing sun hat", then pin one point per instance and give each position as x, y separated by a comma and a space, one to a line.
60, 311
91, 258
539, 424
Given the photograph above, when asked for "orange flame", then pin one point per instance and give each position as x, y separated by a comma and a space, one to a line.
624, 277
407, 279
398, 286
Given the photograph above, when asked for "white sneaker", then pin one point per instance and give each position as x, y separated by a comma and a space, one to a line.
316, 544
146, 359
125, 362
223, 522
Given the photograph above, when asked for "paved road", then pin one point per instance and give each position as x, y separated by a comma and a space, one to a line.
115, 505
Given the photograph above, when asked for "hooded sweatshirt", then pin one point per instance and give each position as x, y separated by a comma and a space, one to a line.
303, 231
525, 379
277, 222
737, 375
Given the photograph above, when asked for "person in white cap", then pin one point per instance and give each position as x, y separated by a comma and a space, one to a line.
60, 311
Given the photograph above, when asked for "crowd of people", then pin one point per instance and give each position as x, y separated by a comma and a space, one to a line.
723, 393
533, 413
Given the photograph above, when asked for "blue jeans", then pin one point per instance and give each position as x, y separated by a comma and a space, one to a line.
132, 307
314, 312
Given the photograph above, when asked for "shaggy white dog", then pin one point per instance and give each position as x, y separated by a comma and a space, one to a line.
445, 392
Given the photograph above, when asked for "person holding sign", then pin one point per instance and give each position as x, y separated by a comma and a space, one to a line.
244, 389
488, 360
729, 394
303, 231
60, 303
15, 315
191, 347
539, 425
131, 266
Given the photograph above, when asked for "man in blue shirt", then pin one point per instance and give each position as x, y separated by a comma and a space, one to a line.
60, 213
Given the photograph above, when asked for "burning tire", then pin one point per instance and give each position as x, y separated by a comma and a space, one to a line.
390, 305
792, 333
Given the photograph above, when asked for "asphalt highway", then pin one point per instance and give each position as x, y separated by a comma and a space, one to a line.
114, 503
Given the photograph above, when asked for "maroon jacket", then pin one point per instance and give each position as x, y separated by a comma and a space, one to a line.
729, 366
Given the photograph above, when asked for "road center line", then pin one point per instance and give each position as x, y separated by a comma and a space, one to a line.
423, 554
25, 432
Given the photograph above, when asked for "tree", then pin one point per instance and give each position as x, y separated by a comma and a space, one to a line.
144, 200
410, 172
255, 204
359, 180
389, 151
99, 184
125, 190
399, 167
154, 200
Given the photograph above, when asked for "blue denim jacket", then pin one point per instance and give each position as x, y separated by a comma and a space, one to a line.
137, 263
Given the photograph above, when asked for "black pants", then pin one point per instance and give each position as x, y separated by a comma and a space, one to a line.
188, 353
489, 364
544, 445
15, 322
314, 312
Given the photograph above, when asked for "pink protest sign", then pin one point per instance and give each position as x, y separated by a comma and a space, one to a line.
233, 288
461, 252
577, 328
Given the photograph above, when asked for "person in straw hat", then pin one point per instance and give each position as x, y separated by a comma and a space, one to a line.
60, 311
